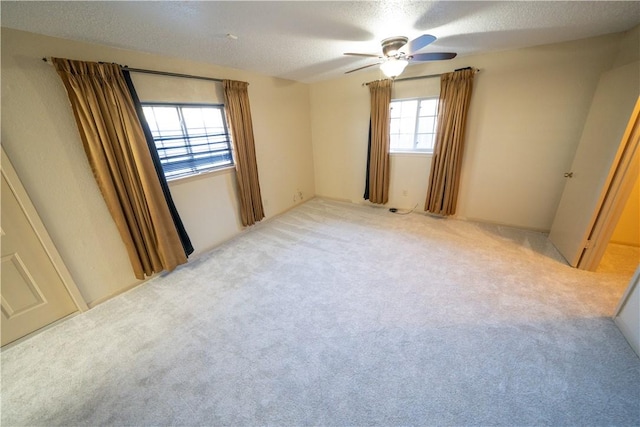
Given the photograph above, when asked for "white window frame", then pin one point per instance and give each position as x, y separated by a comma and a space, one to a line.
217, 155
394, 148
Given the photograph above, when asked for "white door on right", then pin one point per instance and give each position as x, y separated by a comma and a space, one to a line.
611, 108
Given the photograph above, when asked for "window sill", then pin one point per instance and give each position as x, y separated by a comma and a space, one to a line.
411, 154
201, 175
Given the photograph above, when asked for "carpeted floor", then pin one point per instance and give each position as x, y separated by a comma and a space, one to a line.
336, 314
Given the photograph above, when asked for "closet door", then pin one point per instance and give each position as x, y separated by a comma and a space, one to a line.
36, 289
596, 157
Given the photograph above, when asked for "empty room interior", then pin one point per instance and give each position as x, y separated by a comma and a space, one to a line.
260, 285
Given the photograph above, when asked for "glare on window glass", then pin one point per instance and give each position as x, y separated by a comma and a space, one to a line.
213, 120
428, 107
167, 119
425, 141
394, 126
426, 124
412, 124
193, 118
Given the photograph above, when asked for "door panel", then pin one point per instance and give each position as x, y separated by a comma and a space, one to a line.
20, 292
32, 292
587, 181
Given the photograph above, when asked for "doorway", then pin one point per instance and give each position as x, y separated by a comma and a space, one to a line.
605, 161
622, 254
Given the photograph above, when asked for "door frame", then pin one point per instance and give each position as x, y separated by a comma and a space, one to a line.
10, 174
617, 189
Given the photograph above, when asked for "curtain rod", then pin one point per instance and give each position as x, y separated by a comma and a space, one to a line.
160, 73
166, 73
429, 76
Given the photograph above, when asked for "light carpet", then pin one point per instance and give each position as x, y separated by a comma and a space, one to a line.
337, 314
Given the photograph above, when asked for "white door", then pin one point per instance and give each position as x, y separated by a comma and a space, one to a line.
587, 181
35, 287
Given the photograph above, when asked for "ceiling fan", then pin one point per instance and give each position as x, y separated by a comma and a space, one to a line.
398, 51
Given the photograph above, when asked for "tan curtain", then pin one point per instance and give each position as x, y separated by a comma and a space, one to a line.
379, 156
119, 157
236, 98
455, 94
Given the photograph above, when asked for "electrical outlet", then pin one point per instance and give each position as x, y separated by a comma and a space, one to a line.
405, 193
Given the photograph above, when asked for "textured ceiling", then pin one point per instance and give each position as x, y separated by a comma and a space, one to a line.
305, 40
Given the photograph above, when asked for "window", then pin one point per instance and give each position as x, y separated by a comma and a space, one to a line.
190, 138
413, 124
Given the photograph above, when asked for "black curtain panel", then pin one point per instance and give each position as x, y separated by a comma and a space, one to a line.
182, 232
366, 181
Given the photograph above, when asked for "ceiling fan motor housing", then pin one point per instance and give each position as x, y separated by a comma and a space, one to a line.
398, 51
391, 46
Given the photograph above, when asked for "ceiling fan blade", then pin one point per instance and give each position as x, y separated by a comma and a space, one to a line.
432, 56
361, 68
418, 43
368, 55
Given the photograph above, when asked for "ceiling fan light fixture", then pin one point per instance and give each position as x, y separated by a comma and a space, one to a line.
397, 52
393, 67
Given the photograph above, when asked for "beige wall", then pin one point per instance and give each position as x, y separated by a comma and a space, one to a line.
629, 48
41, 139
526, 116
